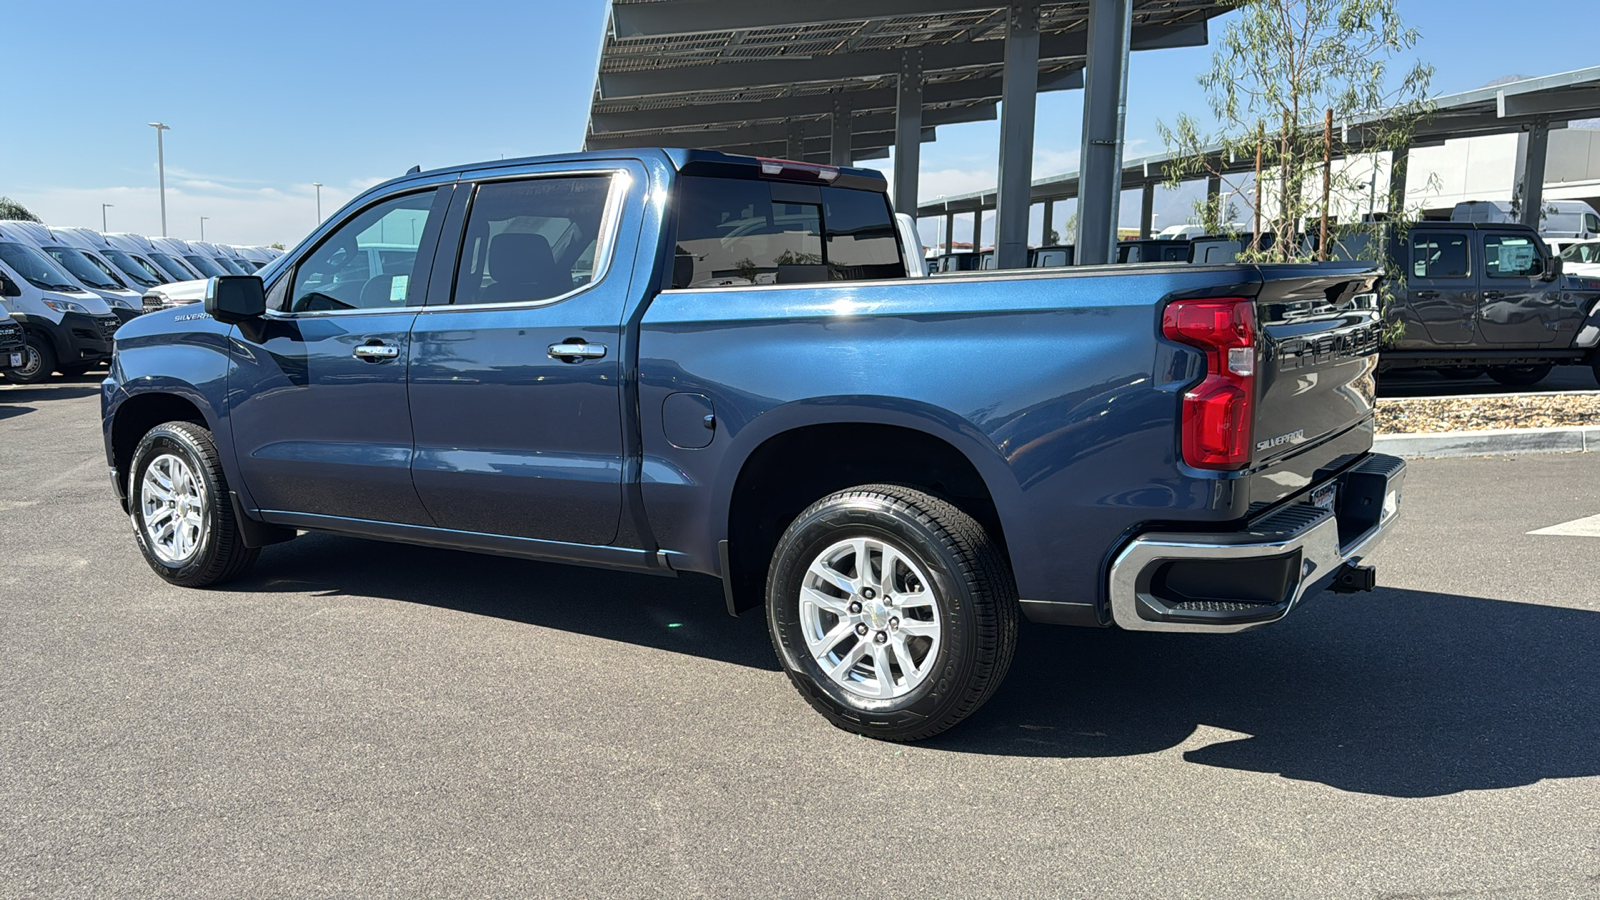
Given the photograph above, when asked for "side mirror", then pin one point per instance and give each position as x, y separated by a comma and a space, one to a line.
1552, 269
233, 299
8, 288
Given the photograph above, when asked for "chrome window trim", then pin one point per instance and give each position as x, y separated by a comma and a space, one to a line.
605, 249
293, 270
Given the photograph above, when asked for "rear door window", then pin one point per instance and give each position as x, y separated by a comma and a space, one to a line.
1439, 255
531, 240
734, 232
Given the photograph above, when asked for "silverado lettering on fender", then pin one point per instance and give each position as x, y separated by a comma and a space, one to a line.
682, 361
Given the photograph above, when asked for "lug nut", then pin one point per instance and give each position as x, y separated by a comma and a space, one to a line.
894, 623
855, 608
880, 638
861, 630
867, 593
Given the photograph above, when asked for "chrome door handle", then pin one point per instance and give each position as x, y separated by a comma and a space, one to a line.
572, 351
1493, 295
375, 352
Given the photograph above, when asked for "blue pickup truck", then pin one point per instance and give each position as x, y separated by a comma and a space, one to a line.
681, 361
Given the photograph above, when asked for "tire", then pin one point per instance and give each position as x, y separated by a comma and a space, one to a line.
38, 362
1520, 376
1461, 373
185, 458
949, 577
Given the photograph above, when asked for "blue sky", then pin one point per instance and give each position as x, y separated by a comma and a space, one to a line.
265, 99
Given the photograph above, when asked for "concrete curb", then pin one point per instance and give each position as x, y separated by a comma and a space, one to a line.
1497, 442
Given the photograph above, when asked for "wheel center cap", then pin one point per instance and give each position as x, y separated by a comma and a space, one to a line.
876, 614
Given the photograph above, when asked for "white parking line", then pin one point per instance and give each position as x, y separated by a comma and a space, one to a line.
1585, 527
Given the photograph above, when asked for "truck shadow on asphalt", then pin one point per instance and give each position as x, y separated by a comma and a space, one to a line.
1396, 693
683, 615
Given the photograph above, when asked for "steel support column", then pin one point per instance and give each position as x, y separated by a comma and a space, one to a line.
1104, 108
1535, 150
977, 230
1049, 222
1147, 210
1399, 161
1213, 201
1018, 101
796, 143
908, 132
839, 146
949, 232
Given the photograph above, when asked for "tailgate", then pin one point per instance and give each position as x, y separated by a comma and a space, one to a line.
1316, 379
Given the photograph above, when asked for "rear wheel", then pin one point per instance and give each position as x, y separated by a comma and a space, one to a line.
38, 362
1520, 376
178, 501
894, 612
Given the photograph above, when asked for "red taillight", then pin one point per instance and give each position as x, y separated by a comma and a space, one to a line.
1219, 411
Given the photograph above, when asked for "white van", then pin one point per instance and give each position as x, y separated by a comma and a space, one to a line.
86, 274
1569, 219
136, 273
166, 258
67, 329
916, 256
219, 257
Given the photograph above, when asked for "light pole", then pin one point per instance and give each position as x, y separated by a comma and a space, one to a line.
203, 227
318, 186
103, 208
161, 169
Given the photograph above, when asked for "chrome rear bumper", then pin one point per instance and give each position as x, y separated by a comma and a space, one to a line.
1236, 581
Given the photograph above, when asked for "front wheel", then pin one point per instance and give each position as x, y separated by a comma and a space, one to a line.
178, 501
1520, 376
894, 612
38, 362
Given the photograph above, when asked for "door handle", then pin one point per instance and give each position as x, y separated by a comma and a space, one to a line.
574, 351
375, 352
1493, 295
1427, 295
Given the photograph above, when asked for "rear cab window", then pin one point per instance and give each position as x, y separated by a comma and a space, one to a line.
737, 232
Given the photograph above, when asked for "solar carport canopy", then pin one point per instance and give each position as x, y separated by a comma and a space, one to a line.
800, 79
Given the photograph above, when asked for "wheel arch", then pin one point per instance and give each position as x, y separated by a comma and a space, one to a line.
795, 455
136, 413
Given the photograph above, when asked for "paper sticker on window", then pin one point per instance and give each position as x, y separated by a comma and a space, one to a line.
397, 288
1516, 257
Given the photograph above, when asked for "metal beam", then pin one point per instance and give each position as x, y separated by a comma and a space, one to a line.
864, 146
778, 131
1535, 150
681, 17
908, 124
1018, 105
1576, 102
1147, 210
871, 63
969, 90
839, 141
1104, 108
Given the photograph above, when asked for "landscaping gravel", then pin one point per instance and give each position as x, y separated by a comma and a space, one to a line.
1436, 414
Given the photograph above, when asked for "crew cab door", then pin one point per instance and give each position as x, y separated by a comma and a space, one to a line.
1518, 307
517, 359
1441, 287
317, 391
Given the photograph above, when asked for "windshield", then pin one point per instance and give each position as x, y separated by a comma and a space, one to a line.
172, 267
111, 274
32, 265
226, 263
81, 268
205, 266
135, 271
248, 265
1582, 253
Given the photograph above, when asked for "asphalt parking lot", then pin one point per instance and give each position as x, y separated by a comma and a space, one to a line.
358, 718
